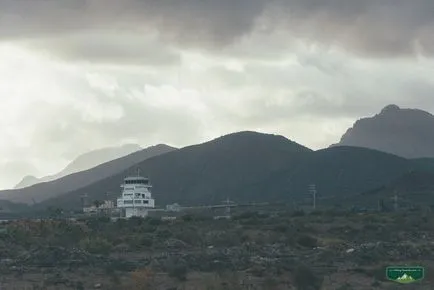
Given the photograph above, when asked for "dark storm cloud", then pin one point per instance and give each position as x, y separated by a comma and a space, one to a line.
368, 27
380, 28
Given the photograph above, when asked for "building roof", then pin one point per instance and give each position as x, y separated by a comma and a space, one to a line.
132, 178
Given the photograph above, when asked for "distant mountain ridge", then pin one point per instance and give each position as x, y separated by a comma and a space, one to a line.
83, 162
404, 132
244, 167
50, 189
206, 173
253, 167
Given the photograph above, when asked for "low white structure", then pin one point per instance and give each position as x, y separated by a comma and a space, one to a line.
136, 197
90, 209
173, 207
105, 205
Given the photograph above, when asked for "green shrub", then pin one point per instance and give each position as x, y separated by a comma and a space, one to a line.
307, 241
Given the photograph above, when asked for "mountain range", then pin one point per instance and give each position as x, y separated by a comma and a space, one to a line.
234, 166
83, 162
249, 166
253, 167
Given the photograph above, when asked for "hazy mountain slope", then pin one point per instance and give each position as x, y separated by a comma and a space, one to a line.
29, 180
231, 166
84, 162
45, 190
404, 132
6, 207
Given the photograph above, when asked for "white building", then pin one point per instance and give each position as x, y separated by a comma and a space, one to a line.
107, 204
173, 207
90, 209
136, 197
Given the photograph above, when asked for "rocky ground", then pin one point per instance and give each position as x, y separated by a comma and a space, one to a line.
322, 250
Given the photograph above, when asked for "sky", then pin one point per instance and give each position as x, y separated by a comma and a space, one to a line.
78, 75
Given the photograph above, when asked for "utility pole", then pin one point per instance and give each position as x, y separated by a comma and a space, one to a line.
395, 202
110, 203
313, 192
83, 200
228, 207
107, 204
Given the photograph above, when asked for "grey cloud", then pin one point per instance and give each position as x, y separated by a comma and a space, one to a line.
208, 23
324, 90
150, 124
125, 49
72, 134
377, 28
369, 27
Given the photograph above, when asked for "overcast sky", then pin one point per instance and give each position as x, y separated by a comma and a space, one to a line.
77, 75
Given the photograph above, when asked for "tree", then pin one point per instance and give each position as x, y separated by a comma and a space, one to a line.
307, 241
